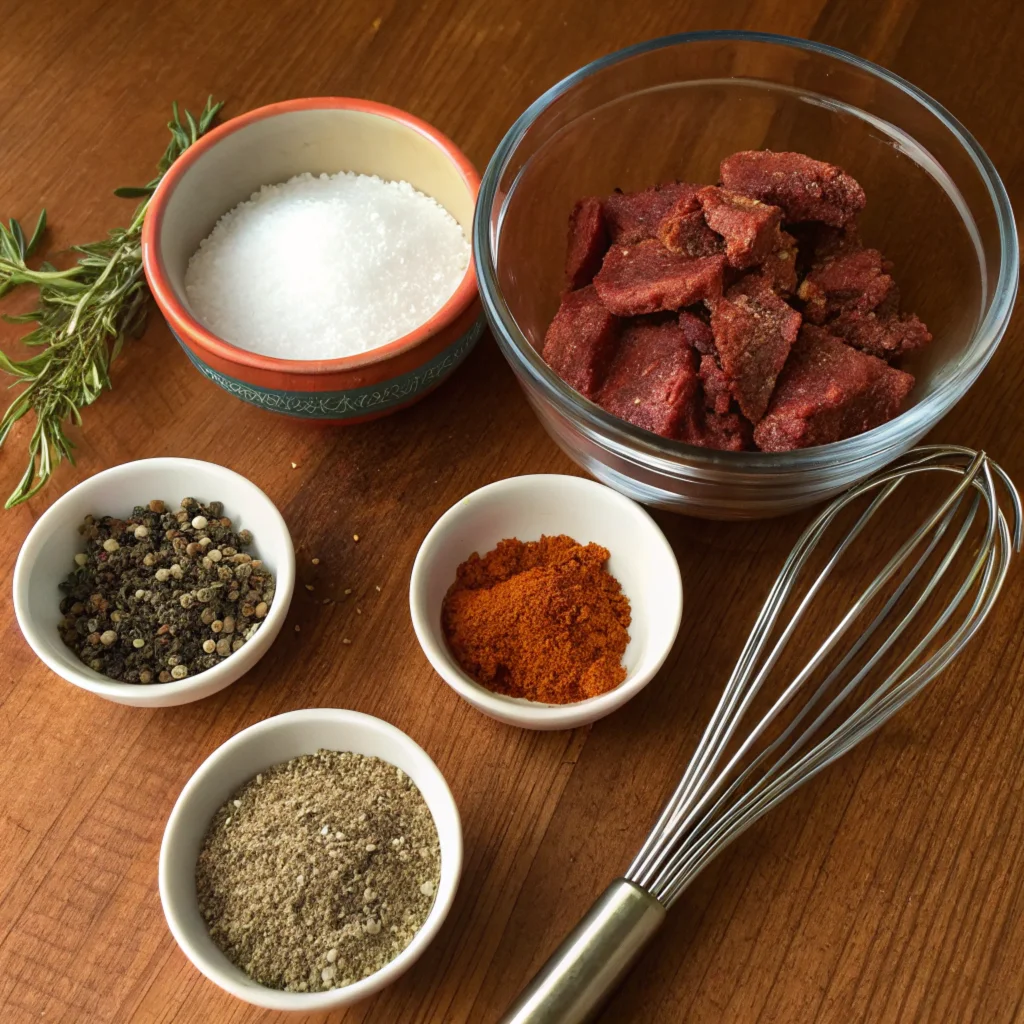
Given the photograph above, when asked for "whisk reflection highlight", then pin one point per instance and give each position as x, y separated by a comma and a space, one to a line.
822, 712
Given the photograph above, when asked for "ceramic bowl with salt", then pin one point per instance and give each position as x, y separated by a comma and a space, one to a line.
272, 145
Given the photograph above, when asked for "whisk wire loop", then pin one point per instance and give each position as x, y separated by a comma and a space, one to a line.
717, 798
713, 814
718, 731
930, 598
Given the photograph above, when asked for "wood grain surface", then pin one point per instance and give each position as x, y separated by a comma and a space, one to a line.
892, 889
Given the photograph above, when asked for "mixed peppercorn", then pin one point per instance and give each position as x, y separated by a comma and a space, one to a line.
161, 595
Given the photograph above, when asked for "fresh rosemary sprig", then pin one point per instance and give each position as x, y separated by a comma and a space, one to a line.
83, 317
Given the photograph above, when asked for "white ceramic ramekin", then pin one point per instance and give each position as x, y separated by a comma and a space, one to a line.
526, 507
47, 556
252, 751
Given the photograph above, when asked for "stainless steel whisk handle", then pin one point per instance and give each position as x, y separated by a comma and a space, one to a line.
594, 957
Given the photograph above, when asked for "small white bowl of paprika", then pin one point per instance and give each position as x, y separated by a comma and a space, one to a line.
527, 508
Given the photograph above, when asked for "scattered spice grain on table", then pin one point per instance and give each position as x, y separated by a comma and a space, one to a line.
319, 871
543, 620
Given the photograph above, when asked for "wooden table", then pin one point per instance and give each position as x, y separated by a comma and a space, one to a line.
892, 889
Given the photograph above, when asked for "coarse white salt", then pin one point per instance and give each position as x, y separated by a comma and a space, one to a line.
328, 266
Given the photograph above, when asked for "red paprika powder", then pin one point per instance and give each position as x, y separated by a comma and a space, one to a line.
542, 620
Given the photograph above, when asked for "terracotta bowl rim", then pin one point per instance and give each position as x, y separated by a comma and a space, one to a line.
188, 328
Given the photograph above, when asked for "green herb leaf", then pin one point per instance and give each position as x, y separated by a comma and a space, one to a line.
83, 316
37, 234
19, 238
209, 114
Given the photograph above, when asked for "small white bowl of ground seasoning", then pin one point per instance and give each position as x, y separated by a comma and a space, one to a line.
157, 582
546, 601
310, 860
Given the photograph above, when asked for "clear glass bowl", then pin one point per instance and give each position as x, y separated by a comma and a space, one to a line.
673, 108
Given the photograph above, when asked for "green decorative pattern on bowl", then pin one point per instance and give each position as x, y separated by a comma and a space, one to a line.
353, 403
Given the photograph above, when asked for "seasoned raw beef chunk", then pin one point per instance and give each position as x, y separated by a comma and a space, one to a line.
728, 432
717, 386
855, 281
829, 391
779, 269
806, 189
818, 242
883, 335
647, 278
588, 242
581, 341
633, 216
697, 333
684, 230
753, 335
750, 228
742, 315
653, 381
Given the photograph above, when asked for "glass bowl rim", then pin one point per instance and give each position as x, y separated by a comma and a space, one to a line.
628, 438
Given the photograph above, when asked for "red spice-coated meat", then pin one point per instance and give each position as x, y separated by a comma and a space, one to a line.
697, 333
750, 228
581, 341
717, 386
779, 269
806, 189
588, 242
754, 330
885, 335
653, 382
728, 432
854, 281
818, 242
802, 316
647, 278
684, 230
827, 392
633, 216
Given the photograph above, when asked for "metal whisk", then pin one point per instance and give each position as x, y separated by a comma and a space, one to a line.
823, 710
